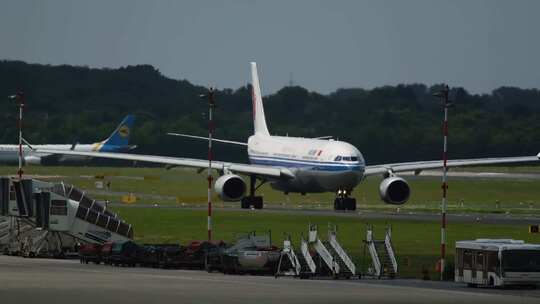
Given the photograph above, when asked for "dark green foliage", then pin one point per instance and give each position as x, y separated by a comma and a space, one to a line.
388, 124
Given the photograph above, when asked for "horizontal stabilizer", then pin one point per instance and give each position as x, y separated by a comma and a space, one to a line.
213, 139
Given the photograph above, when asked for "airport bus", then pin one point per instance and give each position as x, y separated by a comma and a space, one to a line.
497, 262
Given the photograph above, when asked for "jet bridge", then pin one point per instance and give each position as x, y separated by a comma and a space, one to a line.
50, 217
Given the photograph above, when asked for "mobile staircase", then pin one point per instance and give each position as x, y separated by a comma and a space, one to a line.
382, 254
6, 229
347, 269
49, 219
323, 254
308, 268
288, 264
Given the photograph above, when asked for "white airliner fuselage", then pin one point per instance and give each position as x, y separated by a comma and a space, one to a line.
118, 141
318, 165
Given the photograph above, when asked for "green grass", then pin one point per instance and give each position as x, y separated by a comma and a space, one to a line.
181, 185
417, 242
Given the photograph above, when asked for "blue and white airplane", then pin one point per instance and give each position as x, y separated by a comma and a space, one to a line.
118, 141
303, 165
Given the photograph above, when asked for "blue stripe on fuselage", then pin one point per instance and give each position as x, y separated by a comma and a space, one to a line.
312, 165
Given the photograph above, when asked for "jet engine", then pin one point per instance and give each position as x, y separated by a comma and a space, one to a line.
32, 160
230, 187
394, 190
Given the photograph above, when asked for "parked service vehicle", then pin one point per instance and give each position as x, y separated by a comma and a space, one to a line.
151, 255
105, 253
90, 253
497, 262
172, 256
124, 253
250, 254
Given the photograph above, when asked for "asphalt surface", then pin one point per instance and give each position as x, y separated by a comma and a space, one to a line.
67, 281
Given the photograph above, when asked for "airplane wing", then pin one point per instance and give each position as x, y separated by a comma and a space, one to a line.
259, 170
436, 164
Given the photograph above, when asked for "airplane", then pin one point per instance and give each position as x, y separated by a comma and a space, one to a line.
118, 141
299, 165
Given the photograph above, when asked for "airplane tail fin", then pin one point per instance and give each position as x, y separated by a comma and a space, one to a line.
259, 121
120, 136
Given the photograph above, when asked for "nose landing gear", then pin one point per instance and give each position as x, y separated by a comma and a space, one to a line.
343, 201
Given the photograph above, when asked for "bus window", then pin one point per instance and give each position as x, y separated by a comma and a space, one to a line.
492, 261
467, 259
479, 261
521, 261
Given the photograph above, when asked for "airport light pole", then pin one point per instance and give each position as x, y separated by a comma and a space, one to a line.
19, 98
211, 106
443, 94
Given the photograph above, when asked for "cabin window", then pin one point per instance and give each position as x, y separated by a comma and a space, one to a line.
338, 158
354, 158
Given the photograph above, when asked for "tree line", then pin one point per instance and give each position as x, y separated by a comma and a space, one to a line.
67, 104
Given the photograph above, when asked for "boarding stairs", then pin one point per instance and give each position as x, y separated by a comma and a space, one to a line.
288, 265
382, 254
323, 253
346, 266
307, 264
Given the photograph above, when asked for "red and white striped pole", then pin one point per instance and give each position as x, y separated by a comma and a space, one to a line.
19, 98
211, 105
446, 104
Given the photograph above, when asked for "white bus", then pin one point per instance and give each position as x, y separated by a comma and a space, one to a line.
497, 262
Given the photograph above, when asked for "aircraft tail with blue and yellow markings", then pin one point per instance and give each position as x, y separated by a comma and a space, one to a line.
119, 139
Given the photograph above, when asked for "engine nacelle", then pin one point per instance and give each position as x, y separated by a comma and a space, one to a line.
32, 160
230, 187
394, 190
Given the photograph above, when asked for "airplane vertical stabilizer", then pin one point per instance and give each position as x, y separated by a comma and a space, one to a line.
259, 121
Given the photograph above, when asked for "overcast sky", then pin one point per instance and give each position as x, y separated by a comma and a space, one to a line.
324, 45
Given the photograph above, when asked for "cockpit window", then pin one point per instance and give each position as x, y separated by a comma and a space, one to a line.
346, 158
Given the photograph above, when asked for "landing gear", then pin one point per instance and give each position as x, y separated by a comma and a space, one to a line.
344, 202
252, 201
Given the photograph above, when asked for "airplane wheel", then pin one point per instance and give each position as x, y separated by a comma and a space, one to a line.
338, 204
244, 203
257, 202
350, 203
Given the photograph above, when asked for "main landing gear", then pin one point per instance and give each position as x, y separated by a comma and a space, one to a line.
343, 201
252, 201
